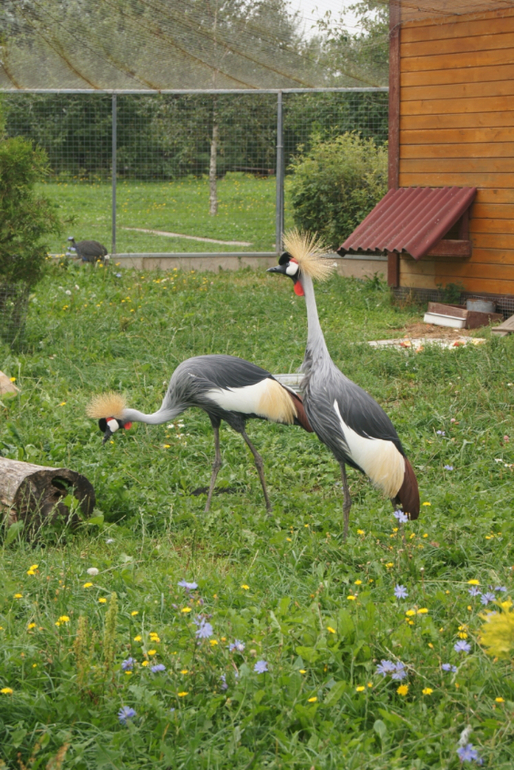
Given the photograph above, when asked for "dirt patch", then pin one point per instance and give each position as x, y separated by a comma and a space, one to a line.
431, 331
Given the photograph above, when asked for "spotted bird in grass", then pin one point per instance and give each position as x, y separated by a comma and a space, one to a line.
345, 418
227, 388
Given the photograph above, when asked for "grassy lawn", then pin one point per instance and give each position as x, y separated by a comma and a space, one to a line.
314, 615
246, 213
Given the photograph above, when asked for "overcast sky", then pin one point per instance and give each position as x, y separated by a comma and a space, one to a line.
311, 10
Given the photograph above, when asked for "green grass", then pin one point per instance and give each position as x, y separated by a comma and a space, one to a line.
246, 213
320, 612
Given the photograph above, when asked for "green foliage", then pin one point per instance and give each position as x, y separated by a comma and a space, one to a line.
336, 184
25, 217
281, 584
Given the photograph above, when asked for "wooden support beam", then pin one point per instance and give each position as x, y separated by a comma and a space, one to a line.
394, 96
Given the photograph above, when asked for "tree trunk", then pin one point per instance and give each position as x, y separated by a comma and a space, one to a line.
213, 192
34, 494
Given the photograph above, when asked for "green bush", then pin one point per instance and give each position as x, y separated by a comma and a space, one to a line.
336, 184
25, 218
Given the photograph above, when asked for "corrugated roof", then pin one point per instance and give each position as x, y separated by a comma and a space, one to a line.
411, 219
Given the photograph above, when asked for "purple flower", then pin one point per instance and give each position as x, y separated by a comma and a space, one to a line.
158, 668
475, 591
128, 664
188, 586
237, 646
401, 516
224, 685
386, 667
125, 713
204, 629
440, 432
448, 467
400, 592
118, 275
400, 672
500, 588
260, 667
468, 754
461, 646
448, 667
488, 597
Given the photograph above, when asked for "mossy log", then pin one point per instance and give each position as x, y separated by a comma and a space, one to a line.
35, 494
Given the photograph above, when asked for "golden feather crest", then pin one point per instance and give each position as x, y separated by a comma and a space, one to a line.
310, 253
106, 405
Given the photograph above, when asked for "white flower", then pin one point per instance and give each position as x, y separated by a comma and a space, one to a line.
92, 571
68, 292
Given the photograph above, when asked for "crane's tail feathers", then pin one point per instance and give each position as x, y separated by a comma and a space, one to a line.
408, 494
310, 253
106, 405
301, 417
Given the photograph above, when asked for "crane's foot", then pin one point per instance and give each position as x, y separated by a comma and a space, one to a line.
347, 502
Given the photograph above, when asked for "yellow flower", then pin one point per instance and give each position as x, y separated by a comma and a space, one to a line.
182, 694
389, 564
18, 596
34, 566
426, 503
499, 700
431, 645
351, 598
6, 690
370, 684
31, 625
213, 642
498, 633
87, 585
186, 609
312, 700
134, 613
138, 638
409, 613
102, 600
427, 691
422, 611
403, 689
289, 539
425, 534
184, 671
12, 379
30, 572
360, 688
246, 588
64, 619
474, 582
332, 630
152, 652
145, 663
128, 673
166, 446
302, 671
462, 635
358, 583
360, 532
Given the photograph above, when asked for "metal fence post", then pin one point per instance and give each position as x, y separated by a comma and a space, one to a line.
280, 176
114, 145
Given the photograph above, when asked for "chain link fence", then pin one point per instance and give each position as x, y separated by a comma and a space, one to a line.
181, 173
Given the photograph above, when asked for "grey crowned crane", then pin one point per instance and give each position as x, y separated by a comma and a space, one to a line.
227, 388
344, 417
88, 251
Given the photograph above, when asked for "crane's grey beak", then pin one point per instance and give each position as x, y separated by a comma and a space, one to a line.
277, 269
107, 435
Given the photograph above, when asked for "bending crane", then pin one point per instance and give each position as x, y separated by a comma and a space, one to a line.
227, 388
344, 417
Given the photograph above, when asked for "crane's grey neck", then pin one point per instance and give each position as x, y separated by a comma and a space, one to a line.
316, 345
162, 415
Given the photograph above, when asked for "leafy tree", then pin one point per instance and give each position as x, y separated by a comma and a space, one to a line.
336, 184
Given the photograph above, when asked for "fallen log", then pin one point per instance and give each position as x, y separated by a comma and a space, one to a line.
35, 494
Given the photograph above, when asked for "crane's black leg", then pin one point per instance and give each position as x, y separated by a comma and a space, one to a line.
215, 466
347, 503
259, 465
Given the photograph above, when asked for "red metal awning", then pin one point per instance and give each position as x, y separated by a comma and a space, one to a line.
411, 219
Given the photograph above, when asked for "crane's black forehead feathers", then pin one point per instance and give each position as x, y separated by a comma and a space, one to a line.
284, 258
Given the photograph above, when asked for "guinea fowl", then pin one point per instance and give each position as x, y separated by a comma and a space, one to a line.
89, 251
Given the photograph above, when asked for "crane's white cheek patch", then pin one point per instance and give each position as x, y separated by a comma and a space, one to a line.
292, 268
379, 459
113, 425
266, 398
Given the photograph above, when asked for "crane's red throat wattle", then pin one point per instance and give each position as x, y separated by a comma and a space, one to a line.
298, 289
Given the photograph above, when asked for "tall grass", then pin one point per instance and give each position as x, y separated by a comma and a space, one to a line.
321, 613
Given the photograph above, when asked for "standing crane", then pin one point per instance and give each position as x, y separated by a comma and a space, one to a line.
227, 388
344, 417
89, 251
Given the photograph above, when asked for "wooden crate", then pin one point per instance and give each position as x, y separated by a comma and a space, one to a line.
458, 316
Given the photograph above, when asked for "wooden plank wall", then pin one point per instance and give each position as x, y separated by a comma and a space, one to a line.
457, 128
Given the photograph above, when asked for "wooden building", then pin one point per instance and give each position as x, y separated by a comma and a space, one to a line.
451, 125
